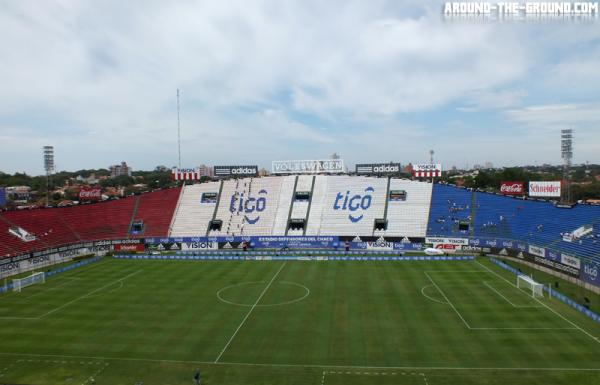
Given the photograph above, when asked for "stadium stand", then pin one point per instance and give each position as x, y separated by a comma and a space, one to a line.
323, 205
409, 217
350, 206
53, 227
192, 215
155, 210
539, 223
249, 206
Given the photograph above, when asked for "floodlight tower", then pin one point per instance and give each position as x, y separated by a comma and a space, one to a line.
178, 131
431, 152
49, 168
567, 156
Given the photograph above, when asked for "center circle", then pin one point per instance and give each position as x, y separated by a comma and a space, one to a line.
246, 293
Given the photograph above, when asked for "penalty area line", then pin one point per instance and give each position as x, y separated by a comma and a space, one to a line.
543, 304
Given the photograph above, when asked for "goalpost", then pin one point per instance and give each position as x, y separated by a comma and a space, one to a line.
537, 289
19, 284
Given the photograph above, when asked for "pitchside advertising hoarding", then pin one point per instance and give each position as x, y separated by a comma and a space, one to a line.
2, 196
427, 170
545, 189
378, 168
447, 243
330, 166
233, 171
87, 194
512, 188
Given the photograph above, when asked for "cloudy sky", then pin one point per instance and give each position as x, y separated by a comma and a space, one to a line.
271, 80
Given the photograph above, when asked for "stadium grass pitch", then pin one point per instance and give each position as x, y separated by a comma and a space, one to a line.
296, 322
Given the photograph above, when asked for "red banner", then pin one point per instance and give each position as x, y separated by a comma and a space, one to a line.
130, 247
512, 188
90, 194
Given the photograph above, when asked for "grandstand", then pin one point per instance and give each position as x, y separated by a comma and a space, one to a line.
535, 222
346, 206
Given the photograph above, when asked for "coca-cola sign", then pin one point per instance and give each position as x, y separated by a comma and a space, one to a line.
90, 194
512, 188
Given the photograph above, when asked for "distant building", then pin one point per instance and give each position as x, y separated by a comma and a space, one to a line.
263, 172
205, 170
119, 170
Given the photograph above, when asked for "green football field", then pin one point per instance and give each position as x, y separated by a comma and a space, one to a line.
296, 322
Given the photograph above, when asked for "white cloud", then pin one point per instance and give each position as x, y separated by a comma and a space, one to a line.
106, 73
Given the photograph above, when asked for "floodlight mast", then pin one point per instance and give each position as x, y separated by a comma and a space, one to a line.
178, 131
567, 156
49, 168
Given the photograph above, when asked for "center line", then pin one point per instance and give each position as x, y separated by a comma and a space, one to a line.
249, 312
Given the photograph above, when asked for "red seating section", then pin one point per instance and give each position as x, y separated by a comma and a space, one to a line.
156, 210
97, 221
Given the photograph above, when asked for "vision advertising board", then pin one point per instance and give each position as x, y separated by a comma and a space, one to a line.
332, 166
427, 170
378, 168
235, 171
545, 189
185, 174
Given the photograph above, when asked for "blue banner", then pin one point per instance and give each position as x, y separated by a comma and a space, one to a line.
589, 273
2, 196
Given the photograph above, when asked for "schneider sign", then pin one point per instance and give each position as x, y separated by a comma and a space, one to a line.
332, 166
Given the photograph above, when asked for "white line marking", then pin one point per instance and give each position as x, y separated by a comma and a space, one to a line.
524, 328
72, 301
306, 294
88, 294
507, 300
449, 303
223, 363
543, 304
428, 297
45, 290
250, 312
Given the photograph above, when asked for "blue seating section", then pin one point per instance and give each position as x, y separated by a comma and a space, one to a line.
496, 216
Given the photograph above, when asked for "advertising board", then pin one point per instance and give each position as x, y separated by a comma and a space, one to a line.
545, 189
233, 171
333, 166
427, 170
88, 194
378, 168
512, 188
185, 174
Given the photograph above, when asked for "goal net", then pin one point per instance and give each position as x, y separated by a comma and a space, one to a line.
525, 281
19, 284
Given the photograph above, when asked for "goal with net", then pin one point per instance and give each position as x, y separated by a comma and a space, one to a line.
525, 281
35, 278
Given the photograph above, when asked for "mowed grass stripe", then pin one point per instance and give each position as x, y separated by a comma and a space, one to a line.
359, 314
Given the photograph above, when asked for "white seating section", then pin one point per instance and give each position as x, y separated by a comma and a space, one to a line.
249, 206
409, 218
340, 205
191, 216
348, 205
283, 208
300, 208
